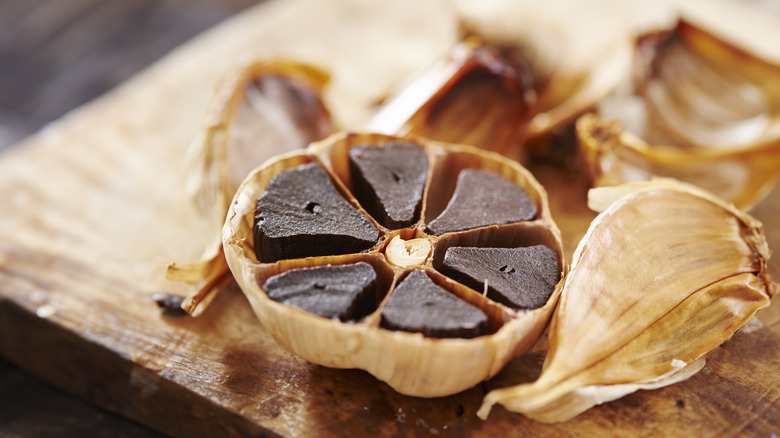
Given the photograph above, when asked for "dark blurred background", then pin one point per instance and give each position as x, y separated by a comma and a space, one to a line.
56, 55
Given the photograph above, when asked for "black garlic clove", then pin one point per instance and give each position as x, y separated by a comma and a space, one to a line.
301, 214
389, 180
521, 278
483, 198
346, 292
419, 305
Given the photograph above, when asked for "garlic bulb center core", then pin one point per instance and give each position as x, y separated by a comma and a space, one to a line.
407, 253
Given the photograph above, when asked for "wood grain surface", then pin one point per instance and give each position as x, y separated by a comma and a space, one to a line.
55, 56
93, 211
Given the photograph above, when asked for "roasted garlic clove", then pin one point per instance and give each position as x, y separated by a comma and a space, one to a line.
666, 273
701, 110
445, 360
260, 108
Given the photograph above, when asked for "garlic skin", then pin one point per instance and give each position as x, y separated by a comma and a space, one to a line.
575, 56
666, 273
261, 107
700, 110
611, 155
474, 95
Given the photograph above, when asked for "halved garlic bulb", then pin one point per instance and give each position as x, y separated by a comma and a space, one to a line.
410, 361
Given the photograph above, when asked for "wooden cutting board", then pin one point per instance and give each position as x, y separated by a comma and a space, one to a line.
92, 210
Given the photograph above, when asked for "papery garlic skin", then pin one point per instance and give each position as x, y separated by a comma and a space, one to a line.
611, 155
698, 109
665, 274
260, 108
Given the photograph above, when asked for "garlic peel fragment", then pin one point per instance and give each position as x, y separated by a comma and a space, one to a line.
700, 110
583, 398
260, 107
664, 275
613, 156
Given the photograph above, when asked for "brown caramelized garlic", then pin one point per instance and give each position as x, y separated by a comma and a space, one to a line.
474, 95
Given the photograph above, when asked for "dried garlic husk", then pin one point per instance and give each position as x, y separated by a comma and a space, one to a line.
664, 275
489, 95
508, 87
409, 362
259, 108
572, 65
475, 95
702, 111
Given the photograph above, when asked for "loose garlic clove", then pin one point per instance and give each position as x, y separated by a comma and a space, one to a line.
571, 67
260, 108
664, 275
